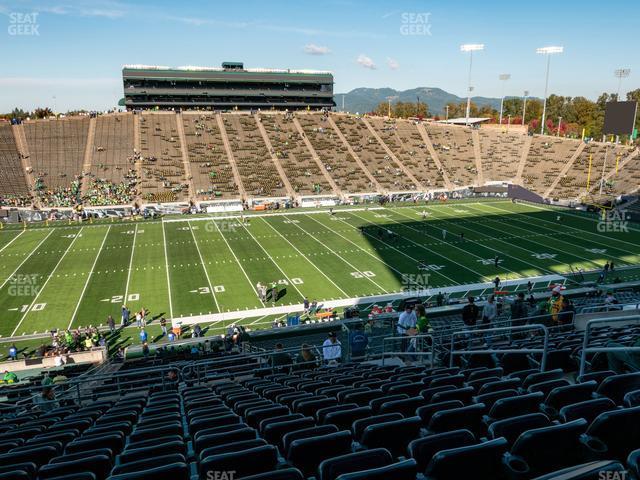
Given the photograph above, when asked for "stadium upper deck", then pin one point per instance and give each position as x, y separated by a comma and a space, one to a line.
229, 87
167, 156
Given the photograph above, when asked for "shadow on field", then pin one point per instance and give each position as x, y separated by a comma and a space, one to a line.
422, 248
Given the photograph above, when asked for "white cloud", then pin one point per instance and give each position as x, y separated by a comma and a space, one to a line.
366, 62
392, 63
313, 49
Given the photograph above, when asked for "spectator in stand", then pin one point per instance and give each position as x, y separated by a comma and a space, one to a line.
406, 326
306, 359
332, 349
610, 299
554, 305
407, 320
9, 377
470, 313
489, 312
197, 331
567, 313
47, 400
422, 323
358, 342
519, 310
279, 358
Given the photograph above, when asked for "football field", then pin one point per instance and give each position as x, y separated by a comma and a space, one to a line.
76, 275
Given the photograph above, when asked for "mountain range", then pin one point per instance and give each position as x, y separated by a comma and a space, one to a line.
363, 99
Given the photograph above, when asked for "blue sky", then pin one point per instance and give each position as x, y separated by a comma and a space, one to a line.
81, 45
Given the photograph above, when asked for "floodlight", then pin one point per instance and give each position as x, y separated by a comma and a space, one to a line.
471, 47
548, 50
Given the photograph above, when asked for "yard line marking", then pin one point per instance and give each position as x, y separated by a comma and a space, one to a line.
563, 251
237, 261
95, 261
348, 263
27, 258
133, 248
432, 251
578, 216
305, 257
277, 266
399, 251
485, 236
498, 239
206, 273
451, 244
12, 240
358, 246
166, 263
47, 281
578, 229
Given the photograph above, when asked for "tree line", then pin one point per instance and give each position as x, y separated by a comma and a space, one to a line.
568, 115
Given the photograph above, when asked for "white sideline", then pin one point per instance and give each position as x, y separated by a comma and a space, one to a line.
265, 215
345, 302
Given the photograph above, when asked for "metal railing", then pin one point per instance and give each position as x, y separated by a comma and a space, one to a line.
75, 389
420, 342
608, 307
475, 332
198, 371
587, 333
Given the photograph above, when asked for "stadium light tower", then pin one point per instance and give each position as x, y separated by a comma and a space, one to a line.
524, 105
389, 98
621, 73
548, 51
503, 78
470, 47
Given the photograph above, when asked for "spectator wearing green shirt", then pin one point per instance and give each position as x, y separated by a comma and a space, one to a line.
423, 323
9, 377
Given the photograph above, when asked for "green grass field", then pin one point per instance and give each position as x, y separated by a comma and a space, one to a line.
76, 275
